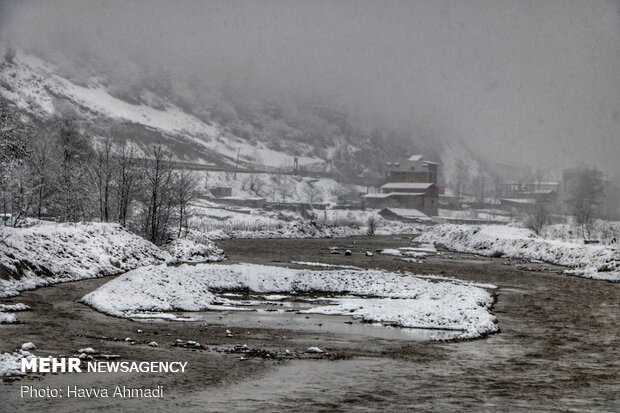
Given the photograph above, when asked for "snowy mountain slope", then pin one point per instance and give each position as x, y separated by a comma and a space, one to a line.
221, 130
36, 88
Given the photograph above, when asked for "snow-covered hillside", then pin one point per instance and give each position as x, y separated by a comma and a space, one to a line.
36, 88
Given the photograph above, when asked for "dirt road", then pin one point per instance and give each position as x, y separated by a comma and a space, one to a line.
559, 347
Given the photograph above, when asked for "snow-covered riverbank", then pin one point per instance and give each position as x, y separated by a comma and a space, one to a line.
590, 261
49, 253
377, 296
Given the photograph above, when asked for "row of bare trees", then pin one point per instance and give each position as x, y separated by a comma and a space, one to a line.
583, 201
59, 171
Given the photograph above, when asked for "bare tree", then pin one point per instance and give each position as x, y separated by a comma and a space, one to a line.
42, 167
480, 187
73, 198
15, 182
585, 196
462, 175
158, 194
311, 192
12, 135
372, 225
104, 170
20, 194
282, 186
185, 192
128, 180
538, 217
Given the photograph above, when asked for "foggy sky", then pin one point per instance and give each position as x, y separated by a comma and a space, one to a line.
518, 81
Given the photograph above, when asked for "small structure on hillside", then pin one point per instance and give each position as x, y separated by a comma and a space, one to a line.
255, 202
539, 191
221, 191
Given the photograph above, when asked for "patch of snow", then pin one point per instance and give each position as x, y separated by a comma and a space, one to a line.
7, 318
325, 265
275, 297
50, 253
28, 346
402, 252
189, 250
14, 307
407, 301
10, 363
590, 261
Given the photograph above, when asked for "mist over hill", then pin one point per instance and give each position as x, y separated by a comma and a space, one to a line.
214, 126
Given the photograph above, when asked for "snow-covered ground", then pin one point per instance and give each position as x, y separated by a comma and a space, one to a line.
195, 248
10, 363
229, 223
6, 309
378, 296
603, 231
48, 253
599, 262
473, 214
277, 188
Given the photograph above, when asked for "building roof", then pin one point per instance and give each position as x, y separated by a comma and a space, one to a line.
376, 195
407, 185
390, 194
404, 194
518, 200
415, 158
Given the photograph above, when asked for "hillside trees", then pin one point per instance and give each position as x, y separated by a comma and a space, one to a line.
185, 184
73, 199
60, 172
13, 150
42, 164
128, 180
585, 196
104, 171
157, 196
